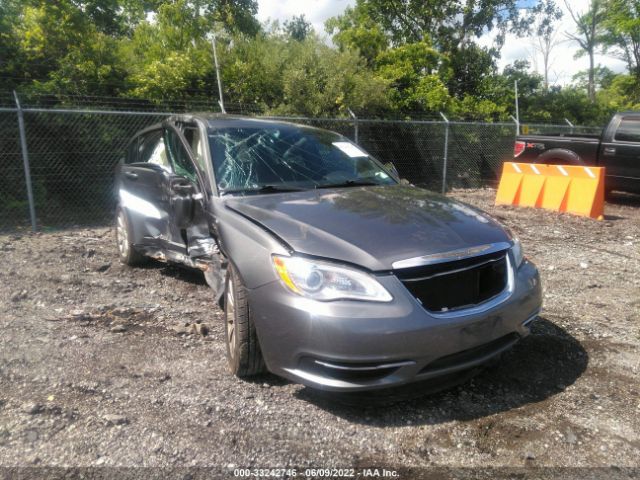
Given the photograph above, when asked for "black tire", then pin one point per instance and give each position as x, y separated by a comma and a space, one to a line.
560, 156
126, 251
243, 349
608, 193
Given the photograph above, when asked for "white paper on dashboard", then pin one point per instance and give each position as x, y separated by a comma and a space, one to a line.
350, 149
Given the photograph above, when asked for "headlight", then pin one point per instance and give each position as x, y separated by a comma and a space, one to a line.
324, 281
518, 256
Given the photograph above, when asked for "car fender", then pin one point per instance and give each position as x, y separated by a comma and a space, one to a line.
247, 246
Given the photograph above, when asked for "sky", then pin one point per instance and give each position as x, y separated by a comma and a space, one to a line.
563, 68
315, 11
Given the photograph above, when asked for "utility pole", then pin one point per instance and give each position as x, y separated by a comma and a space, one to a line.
215, 59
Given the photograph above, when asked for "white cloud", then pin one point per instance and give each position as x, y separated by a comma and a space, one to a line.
315, 11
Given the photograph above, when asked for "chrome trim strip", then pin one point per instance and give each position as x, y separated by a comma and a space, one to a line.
530, 320
451, 256
458, 270
383, 366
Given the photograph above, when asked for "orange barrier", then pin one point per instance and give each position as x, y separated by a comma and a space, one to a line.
561, 188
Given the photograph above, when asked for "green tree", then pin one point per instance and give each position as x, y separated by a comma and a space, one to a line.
297, 28
447, 22
252, 70
270, 74
171, 57
451, 28
622, 93
62, 50
622, 32
12, 62
356, 30
415, 72
318, 80
588, 36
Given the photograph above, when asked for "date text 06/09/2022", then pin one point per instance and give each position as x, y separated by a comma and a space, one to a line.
314, 473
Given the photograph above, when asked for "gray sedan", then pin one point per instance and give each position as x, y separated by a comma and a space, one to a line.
331, 271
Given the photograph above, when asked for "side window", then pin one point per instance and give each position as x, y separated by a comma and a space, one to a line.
628, 130
159, 156
178, 155
151, 149
194, 139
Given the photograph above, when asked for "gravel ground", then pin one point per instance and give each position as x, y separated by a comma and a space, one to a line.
101, 364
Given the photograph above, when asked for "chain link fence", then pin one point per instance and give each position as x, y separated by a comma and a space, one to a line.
72, 155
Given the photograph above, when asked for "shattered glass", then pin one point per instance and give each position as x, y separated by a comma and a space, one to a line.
281, 158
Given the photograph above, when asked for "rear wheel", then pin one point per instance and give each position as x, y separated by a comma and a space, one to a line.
560, 157
608, 193
126, 251
243, 350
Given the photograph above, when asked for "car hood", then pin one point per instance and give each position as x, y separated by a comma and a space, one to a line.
370, 226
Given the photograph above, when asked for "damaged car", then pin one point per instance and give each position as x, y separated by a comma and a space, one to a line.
330, 271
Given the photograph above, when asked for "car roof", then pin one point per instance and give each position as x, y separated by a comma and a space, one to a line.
215, 121
222, 120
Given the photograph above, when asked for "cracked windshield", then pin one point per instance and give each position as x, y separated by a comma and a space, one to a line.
260, 160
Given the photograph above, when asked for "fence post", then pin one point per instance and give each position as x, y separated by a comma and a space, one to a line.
446, 153
570, 124
25, 161
355, 125
517, 122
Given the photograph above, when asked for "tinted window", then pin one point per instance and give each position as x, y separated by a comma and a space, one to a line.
629, 130
179, 156
251, 158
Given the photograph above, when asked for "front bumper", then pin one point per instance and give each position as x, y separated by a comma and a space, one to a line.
352, 346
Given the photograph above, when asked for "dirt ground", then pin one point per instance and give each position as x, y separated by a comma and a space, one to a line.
101, 364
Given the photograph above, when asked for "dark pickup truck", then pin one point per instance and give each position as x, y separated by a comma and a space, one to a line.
617, 149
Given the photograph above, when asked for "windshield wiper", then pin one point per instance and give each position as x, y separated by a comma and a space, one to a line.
262, 189
350, 183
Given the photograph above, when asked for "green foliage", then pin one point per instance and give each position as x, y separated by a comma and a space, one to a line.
415, 72
622, 94
622, 32
252, 70
450, 23
387, 57
603, 77
355, 30
170, 58
297, 28
318, 80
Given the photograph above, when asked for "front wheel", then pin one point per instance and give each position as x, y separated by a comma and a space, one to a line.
126, 251
243, 350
